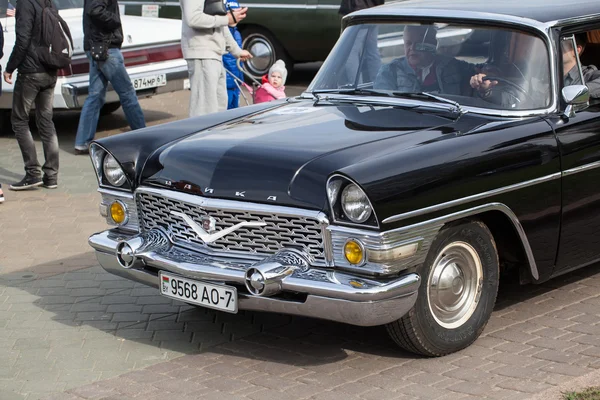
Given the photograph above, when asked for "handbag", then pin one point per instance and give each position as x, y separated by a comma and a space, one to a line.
214, 7
99, 51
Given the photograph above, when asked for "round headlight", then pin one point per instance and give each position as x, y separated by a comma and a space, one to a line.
355, 204
113, 172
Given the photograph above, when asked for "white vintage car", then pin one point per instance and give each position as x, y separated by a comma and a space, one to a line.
151, 49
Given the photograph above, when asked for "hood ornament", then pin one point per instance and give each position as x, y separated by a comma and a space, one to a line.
209, 223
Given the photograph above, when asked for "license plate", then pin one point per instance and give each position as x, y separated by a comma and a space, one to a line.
204, 294
149, 81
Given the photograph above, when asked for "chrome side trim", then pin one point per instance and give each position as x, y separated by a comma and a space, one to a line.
374, 241
440, 221
581, 168
468, 199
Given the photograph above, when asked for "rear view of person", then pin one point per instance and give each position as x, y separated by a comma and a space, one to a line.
37, 30
102, 40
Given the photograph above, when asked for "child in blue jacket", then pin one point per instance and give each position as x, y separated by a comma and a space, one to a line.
229, 62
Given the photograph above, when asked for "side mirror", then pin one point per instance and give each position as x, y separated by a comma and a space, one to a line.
576, 97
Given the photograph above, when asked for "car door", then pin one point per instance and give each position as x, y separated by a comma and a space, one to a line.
579, 144
289, 22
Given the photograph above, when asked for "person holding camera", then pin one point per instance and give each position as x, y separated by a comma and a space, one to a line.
204, 40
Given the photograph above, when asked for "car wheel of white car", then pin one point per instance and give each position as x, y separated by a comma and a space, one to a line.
109, 108
459, 284
265, 50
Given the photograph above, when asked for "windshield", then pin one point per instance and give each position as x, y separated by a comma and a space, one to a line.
471, 65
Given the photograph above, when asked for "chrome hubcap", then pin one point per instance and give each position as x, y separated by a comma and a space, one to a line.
454, 285
263, 55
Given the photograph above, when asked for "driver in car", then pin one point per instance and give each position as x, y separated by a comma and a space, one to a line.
591, 75
423, 69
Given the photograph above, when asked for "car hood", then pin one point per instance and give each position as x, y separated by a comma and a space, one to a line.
137, 31
285, 155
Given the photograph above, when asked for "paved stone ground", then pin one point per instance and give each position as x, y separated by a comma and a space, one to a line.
68, 330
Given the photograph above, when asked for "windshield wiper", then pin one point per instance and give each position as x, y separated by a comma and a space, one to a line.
435, 97
352, 91
387, 93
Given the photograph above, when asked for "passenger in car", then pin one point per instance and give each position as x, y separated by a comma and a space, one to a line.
423, 69
591, 74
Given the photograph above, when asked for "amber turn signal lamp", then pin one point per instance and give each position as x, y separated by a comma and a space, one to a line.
354, 252
118, 213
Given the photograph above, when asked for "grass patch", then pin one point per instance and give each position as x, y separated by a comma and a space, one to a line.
591, 393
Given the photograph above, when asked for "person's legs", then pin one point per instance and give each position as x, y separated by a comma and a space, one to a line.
221, 85
88, 119
43, 112
114, 70
25, 92
1, 194
205, 78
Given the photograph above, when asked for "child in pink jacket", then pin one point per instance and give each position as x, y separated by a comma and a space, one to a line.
274, 88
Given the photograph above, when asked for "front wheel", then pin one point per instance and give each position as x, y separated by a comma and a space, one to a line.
457, 293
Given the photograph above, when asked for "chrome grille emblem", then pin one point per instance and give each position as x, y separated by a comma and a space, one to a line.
207, 237
209, 224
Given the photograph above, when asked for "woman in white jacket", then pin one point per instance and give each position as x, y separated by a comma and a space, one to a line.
204, 40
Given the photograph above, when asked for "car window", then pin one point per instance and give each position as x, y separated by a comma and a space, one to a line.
442, 59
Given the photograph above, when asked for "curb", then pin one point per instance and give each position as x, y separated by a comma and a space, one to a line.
580, 383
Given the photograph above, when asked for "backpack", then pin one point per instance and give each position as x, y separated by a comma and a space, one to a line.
55, 47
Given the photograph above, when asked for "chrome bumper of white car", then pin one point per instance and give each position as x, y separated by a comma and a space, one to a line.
286, 283
75, 90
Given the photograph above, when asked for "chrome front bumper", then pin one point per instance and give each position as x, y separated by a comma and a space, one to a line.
284, 283
76, 89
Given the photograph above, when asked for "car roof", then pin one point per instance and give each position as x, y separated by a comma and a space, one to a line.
541, 11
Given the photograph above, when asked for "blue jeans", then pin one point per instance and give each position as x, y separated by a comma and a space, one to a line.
233, 98
112, 70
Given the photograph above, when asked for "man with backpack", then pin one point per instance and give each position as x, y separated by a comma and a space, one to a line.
102, 40
43, 45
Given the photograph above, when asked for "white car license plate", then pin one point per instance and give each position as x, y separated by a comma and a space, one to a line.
204, 294
147, 82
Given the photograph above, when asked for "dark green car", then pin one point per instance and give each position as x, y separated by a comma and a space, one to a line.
292, 30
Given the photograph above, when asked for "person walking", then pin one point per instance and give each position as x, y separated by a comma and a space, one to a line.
204, 40
102, 40
35, 84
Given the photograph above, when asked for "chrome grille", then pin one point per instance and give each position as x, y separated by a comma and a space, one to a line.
280, 231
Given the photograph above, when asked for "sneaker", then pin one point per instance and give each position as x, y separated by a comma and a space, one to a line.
49, 184
26, 183
79, 150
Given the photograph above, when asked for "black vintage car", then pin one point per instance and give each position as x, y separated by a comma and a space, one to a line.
415, 169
